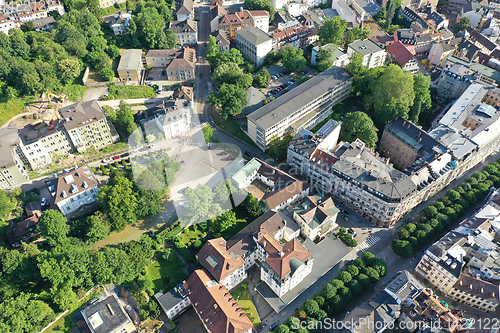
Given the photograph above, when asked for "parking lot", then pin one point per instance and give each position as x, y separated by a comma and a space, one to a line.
282, 79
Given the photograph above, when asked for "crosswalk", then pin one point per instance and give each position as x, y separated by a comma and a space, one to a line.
367, 243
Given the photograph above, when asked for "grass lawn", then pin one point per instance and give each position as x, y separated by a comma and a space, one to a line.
125, 92
165, 273
10, 109
189, 235
74, 92
244, 300
230, 125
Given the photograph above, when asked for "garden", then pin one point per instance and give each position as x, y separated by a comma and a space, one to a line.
242, 296
446, 211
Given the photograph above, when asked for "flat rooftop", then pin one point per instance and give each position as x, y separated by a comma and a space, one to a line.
297, 98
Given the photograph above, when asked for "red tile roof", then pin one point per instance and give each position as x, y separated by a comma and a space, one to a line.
216, 307
279, 261
400, 53
219, 262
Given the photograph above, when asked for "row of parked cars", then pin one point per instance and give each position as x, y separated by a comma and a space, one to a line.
278, 89
277, 75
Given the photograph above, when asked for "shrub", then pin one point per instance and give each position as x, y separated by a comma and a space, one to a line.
311, 307
345, 277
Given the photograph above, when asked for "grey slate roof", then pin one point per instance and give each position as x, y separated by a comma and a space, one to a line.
365, 46
285, 105
130, 59
8, 137
111, 319
77, 114
253, 35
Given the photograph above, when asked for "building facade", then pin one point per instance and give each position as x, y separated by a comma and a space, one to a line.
230, 23
254, 44
339, 57
179, 64
302, 107
120, 22
12, 171
186, 32
74, 190
130, 66
373, 55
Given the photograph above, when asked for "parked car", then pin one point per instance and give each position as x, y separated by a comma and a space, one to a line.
125, 155
182, 162
209, 144
268, 94
247, 153
345, 212
273, 326
282, 86
290, 83
107, 160
152, 146
351, 231
117, 157
43, 202
149, 78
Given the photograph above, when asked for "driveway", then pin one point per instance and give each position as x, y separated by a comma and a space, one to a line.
94, 93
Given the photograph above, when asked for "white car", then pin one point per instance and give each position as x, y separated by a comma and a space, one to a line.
209, 144
152, 146
107, 160
43, 202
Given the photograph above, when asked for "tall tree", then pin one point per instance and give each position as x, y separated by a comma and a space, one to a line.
6, 205
357, 125
125, 118
393, 96
324, 60
332, 31
54, 227
119, 202
201, 205
150, 26
354, 34
97, 226
230, 73
68, 69
292, 58
463, 24
230, 99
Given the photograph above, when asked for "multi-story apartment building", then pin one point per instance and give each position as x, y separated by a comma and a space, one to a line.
384, 308
485, 74
186, 32
403, 57
176, 117
120, 22
464, 264
316, 216
297, 37
302, 107
179, 64
420, 3
231, 23
30, 11
174, 302
222, 40
254, 44
11, 166
282, 189
440, 52
417, 43
270, 241
454, 80
6, 23
130, 66
339, 57
87, 126
373, 55
74, 190
404, 143
484, 44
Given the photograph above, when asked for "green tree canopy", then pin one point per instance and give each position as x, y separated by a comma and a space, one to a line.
201, 205
463, 24
292, 58
332, 31
358, 125
354, 34
53, 226
230, 73
230, 99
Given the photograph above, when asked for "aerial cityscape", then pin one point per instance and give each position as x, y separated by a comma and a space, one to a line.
239, 166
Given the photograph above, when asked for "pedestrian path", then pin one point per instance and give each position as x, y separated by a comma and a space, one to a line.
367, 243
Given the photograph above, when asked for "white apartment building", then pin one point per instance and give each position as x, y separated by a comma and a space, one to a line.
6, 24
11, 166
373, 55
270, 241
174, 302
339, 57
254, 44
302, 107
177, 118
74, 190
186, 32
120, 22
316, 216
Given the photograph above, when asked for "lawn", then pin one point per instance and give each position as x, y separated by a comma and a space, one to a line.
188, 236
165, 273
244, 300
73, 92
10, 109
125, 92
231, 126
